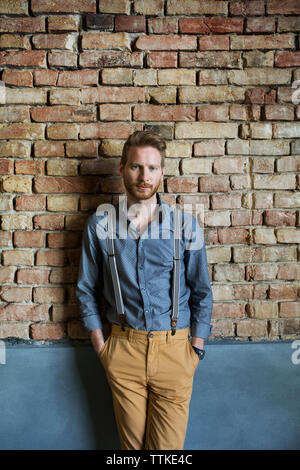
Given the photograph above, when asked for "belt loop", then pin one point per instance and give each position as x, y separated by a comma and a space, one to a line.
130, 335
167, 337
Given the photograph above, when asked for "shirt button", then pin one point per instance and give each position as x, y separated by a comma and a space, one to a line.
146, 311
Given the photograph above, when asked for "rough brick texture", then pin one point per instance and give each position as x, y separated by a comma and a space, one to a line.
218, 80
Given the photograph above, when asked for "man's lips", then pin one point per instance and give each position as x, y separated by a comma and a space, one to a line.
143, 187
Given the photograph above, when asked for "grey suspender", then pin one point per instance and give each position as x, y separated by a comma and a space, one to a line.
176, 270
113, 268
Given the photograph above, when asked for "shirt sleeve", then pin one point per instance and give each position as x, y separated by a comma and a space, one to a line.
89, 278
197, 278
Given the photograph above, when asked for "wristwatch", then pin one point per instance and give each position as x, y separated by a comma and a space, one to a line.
200, 352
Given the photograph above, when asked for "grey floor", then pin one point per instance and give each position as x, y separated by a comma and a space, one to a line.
245, 396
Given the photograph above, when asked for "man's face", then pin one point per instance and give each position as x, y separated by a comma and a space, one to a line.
142, 173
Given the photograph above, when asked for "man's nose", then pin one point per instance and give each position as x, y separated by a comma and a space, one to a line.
144, 174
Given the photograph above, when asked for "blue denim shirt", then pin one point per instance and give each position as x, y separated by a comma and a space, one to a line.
145, 265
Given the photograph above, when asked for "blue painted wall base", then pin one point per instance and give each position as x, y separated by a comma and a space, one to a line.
245, 396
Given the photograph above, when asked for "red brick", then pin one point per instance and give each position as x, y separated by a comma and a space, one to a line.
74, 257
212, 184
48, 295
17, 257
166, 42
107, 94
26, 131
62, 59
100, 167
73, 184
45, 77
182, 185
108, 130
63, 6
228, 310
164, 113
30, 203
63, 275
255, 96
63, 113
22, 25
78, 78
289, 272
275, 218
7, 274
24, 312
6, 167
88, 149
63, 23
260, 25
5, 239
286, 7
222, 328
287, 59
212, 42
247, 7
165, 25
131, 24
212, 112
75, 222
49, 149
242, 217
290, 327
23, 58
49, 222
283, 291
279, 112
15, 294
64, 240
110, 59
211, 25
51, 258
29, 239
17, 77
62, 131
112, 185
91, 202
47, 331
210, 59
232, 235
51, 41
32, 276
289, 309
222, 201
32, 167
162, 59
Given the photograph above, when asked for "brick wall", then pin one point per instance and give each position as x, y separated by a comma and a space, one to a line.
215, 78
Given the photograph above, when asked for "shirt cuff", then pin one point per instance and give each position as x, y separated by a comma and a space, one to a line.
201, 330
91, 322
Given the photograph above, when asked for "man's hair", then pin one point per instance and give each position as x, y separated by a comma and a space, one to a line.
143, 139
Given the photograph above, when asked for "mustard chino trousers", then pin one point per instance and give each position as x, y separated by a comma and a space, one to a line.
151, 379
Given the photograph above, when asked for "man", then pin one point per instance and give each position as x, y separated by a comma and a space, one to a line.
148, 358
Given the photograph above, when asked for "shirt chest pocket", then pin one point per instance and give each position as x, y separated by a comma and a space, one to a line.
160, 251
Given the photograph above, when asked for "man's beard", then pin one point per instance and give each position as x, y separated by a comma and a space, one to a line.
138, 193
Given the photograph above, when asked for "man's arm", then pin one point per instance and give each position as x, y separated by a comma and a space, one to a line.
197, 279
89, 284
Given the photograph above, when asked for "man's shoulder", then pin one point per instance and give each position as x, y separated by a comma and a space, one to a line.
95, 220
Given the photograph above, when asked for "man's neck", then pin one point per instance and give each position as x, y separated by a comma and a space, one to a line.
145, 214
